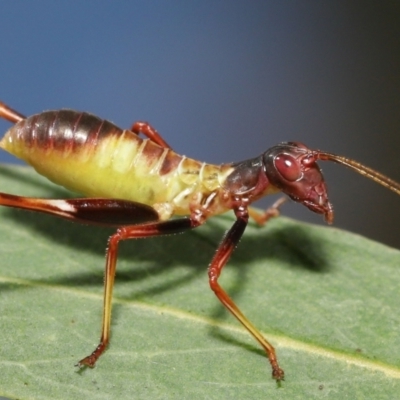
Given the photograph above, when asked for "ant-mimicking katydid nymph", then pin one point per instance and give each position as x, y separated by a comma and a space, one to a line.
137, 185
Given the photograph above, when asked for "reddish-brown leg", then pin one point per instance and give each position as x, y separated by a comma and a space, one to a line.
95, 211
108, 212
111, 212
147, 130
9, 114
262, 217
124, 233
221, 257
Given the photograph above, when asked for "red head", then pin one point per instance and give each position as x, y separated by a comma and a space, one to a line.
292, 168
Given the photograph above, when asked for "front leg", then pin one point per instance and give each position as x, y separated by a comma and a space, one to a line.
263, 217
224, 251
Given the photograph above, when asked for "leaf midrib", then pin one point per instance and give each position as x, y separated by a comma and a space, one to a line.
280, 340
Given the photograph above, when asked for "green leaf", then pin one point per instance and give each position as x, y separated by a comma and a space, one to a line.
326, 299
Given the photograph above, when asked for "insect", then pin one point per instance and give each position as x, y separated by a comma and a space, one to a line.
138, 184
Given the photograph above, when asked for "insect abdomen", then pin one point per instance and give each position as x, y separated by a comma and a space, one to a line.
96, 158
87, 155
63, 132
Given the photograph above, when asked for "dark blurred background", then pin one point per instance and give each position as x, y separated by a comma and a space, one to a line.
223, 81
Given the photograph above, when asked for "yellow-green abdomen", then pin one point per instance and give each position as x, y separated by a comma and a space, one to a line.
88, 155
96, 158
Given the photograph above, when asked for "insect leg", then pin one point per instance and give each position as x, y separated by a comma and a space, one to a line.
147, 130
9, 114
221, 257
262, 217
108, 212
97, 211
124, 233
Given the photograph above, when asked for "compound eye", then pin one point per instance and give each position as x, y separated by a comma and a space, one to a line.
288, 167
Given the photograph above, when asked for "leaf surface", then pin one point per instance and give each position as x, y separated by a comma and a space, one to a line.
326, 299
